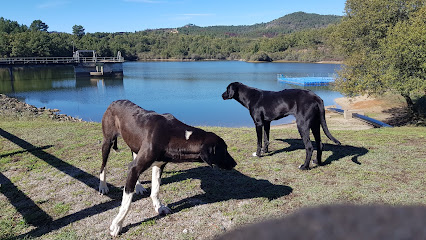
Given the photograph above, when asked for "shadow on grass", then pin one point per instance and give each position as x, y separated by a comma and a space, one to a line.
31, 212
220, 185
339, 151
26, 151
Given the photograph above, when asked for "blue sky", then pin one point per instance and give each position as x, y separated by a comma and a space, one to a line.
137, 15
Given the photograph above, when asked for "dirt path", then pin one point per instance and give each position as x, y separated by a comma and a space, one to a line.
382, 109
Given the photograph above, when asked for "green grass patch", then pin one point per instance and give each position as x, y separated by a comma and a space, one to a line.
54, 167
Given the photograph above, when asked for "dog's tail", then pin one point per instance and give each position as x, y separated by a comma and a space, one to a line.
324, 123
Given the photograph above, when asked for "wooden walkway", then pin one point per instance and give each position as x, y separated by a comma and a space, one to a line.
374, 122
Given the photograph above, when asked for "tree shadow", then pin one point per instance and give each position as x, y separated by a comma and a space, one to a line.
401, 116
75, 172
31, 212
338, 151
26, 151
220, 185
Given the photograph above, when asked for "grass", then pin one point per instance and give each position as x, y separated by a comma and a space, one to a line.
49, 175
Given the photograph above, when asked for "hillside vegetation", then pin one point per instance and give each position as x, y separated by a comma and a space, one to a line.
287, 24
294, 37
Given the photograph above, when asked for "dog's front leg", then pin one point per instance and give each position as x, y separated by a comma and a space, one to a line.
266, 129
117, 223
155, 188
140, 164
259, 132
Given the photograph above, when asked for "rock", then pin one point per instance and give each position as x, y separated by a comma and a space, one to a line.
13, 107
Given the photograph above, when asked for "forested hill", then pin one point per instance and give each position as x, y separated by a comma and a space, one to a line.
287, 24
295, 37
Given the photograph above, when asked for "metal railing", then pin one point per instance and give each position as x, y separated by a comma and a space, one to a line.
36, 60
58, 60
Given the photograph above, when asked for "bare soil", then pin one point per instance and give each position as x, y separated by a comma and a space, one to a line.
386, 109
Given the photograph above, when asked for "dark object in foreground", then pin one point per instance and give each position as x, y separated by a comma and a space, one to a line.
340, 222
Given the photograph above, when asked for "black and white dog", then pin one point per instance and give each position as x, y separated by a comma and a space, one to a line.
266, 106
154, 139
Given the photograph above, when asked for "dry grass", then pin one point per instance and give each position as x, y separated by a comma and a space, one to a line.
49, 176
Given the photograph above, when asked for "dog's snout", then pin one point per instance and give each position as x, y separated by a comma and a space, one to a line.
225, 95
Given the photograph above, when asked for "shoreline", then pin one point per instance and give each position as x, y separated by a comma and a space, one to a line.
12, 107
238, 60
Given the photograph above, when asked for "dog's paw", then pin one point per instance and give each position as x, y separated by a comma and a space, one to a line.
163, 210
315, 161
103, 188
115, 229
302, 167
256, 155
139, 189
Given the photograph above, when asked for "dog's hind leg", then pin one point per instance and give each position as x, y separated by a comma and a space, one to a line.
155, 188
106, 148
316, 131
139, 189
304, 133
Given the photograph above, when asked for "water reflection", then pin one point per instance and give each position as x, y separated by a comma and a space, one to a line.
189, 90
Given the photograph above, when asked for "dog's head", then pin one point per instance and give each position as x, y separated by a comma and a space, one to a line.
231, 91
215, 152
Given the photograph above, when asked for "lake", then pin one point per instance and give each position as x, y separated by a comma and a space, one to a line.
191, 91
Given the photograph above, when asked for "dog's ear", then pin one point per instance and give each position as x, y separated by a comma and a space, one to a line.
207, 154
218, 155
232, 89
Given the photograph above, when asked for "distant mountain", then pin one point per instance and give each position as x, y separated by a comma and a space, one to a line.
287, 24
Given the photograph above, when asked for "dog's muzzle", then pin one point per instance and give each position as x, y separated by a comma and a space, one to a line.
225, 96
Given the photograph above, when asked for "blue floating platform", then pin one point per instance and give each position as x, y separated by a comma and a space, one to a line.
306, 81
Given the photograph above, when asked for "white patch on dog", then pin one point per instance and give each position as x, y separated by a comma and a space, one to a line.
117, 223
103, 188
254, 154
188, 134
134, 155
155, 188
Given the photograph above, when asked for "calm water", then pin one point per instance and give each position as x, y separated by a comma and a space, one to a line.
191, 91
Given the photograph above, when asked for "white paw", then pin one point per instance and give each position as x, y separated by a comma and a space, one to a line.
139, 189
115, 229
103, 188
163, 210
254, 154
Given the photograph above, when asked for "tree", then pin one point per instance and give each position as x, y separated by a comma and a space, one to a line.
78, 31
38, 25
383, 43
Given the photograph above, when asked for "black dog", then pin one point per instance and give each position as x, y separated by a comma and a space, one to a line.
266, 106
155, 139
